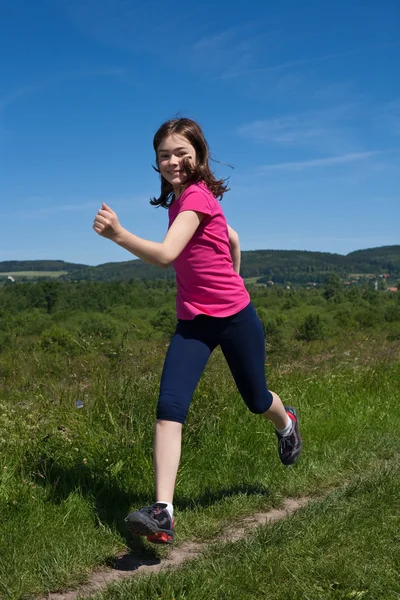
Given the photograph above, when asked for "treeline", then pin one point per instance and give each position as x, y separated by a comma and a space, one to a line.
78, 317
58, 296
281, 266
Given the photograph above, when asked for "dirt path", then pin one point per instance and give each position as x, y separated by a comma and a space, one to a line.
127, 565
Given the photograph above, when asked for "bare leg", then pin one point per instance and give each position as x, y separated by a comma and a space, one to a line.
276, 413
167, 453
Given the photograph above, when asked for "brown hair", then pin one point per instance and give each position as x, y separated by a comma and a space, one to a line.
195, 173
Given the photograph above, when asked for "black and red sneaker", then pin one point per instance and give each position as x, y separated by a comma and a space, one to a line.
154, 522
289, 446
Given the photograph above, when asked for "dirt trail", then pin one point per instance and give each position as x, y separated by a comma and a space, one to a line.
128, 565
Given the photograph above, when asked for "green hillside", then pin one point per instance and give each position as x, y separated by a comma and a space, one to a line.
296, 266
9, 266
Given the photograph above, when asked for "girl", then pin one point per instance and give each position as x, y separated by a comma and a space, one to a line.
213, 308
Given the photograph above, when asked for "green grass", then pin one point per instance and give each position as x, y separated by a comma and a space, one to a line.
30, 274
353, 275
68, 476
345, 547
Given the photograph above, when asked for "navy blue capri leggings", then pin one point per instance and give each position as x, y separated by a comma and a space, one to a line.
241, 338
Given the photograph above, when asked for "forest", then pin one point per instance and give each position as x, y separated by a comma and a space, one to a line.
280, 266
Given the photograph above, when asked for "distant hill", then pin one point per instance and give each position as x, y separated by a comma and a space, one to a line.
278, 265
9, 266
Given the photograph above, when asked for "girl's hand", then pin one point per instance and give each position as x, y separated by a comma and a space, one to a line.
106, 223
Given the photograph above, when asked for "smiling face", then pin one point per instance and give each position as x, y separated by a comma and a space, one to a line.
171, 152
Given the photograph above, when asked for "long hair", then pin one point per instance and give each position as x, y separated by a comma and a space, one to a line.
195, 173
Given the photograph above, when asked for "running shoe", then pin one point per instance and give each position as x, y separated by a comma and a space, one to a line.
154, 522
289, 446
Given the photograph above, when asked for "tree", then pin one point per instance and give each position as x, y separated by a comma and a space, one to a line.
333, 286
311, 329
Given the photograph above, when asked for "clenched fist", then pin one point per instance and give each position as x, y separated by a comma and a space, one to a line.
106, 223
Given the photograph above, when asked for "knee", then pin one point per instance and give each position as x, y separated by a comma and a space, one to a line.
259, 404
171, 408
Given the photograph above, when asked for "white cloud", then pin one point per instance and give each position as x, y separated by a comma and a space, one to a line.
319, 162
11, 97
228, 50
328, 130
304, 61
295, 127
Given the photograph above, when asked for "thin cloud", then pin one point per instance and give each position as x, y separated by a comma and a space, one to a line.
130, 25
328, 130
319, 162
39, 212
229, 50
212, 42
304, 61
391, 117
11, 97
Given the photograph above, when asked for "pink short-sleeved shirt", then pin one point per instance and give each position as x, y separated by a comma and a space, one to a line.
206, 281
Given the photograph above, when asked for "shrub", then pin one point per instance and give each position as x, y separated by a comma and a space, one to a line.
392, 313
345, 318
99, 325
58, 339
367, 317
311, 329
333, 287
165, 321
272, 332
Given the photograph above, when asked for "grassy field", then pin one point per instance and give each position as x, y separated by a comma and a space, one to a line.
32, 274
69, 475
345, 547
354, 275
252, 280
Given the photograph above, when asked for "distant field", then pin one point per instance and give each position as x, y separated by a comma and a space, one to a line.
353, 275
32, 274
253, 280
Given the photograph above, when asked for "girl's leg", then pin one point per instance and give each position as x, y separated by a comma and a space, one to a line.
243, 345
186, 359
276, 413
167, 453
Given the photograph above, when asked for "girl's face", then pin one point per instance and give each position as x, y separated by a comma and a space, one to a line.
170, 154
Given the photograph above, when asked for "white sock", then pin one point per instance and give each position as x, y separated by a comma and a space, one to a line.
169, 507
286, 430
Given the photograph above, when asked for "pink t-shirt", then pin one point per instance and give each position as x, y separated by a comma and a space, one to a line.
206, 281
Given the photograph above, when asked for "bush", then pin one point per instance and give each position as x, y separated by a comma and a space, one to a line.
311, 329
272, 332
367, 317
99, 325
333, 287
58, 339
165, 321
394, 335
392, 313
345, 318
292, 301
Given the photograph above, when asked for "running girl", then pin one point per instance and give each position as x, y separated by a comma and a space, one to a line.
213, 309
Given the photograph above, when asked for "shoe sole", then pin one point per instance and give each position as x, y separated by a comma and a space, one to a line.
142, 527
161, 537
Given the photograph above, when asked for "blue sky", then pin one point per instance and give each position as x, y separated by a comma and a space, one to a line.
302, 98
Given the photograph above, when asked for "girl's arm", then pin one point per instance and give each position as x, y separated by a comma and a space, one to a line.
162, 253
235, 249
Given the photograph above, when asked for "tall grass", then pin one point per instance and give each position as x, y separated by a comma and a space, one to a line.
68, 475
345, 547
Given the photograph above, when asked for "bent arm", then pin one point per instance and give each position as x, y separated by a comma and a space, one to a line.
235, 248
162, 254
